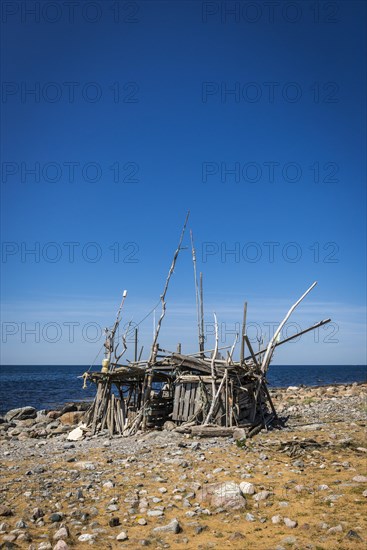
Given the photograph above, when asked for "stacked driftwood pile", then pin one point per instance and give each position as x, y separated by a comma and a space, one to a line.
182, 391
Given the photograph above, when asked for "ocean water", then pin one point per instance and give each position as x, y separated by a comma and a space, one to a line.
47, 387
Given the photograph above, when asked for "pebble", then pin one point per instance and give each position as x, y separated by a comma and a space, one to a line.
353, 535
122, 536
62, 533
336, 529
262, 495
86, 537
290, 523
247, 488
54, 518
172, 527
360, 479
276, 519
155, 513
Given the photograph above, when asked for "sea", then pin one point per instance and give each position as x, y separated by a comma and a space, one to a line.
49, 387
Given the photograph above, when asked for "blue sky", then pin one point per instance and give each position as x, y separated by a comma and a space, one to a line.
254, 122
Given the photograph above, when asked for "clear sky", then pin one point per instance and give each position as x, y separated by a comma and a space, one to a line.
118, 117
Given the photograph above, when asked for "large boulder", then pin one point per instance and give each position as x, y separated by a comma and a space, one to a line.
21, 414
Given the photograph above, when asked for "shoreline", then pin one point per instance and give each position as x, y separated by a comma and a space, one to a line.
302, 486
89, 401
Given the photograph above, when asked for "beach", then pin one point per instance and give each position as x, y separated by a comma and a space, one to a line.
302, 486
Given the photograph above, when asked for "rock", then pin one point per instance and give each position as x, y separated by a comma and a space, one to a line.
72, 418
54, 518
87, 537
360, 479
289, 540
122, 536
142, 521
37, 513
263, 495
353, 535
108, 485
62, 533
334, 530
21, 414
21, 524
5, 511
114, 522
239, 434
290, 523
250, 517
54, 414
61, 545
227, 495
155, 513
77, 434
247, 488
68, 407
169, 425
45, 546
276, 519
172, 527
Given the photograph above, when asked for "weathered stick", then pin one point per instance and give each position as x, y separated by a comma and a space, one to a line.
251, 350
197, 297
153, 352
242, 354
269, 349
201, 346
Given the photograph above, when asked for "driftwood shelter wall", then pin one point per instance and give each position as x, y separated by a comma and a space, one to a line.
185, 392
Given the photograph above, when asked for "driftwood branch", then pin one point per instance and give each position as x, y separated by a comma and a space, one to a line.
213, 373
154, 350
271, 345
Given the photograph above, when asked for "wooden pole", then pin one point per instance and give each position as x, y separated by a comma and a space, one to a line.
251, 351
242, 355
136, 345
201, 343
197, 297
154, 350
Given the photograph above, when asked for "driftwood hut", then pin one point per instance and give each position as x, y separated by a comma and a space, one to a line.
203, 392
